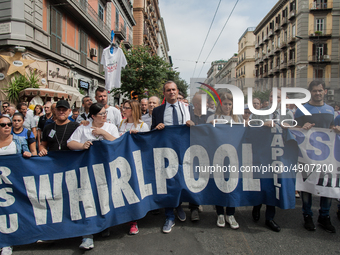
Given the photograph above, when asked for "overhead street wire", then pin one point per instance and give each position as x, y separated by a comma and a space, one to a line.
219, 36
218, 6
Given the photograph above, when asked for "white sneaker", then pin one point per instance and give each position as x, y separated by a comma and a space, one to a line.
87, 244
220, 221
232, 222
6, 250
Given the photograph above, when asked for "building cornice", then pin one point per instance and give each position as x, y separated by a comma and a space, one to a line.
271, 14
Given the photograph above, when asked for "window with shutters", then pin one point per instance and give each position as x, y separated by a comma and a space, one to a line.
100, 11
100, 53
318, 73
83, 47
319, 50
117, 19
56, 26
319, 25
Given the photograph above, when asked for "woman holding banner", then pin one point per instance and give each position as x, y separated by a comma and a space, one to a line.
133, 114
133, 124
18, 129
82, 139
225, 112
11, 144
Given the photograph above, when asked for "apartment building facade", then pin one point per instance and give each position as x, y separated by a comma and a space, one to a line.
215, 68
296, 42
245, 69
149, 29
162, 38
62, 40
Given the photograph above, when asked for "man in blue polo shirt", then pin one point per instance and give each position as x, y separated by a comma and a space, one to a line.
322, 117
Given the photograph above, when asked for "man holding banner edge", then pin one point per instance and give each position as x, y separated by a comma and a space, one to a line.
323, 117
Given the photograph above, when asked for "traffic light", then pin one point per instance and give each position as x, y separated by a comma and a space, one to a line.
134, 95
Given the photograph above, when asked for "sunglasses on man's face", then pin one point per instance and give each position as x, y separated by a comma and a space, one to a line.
5, 124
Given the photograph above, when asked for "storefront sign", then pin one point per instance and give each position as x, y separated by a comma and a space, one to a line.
57, 73
18, 63
84, 84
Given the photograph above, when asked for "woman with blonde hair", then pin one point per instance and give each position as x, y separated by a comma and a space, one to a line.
225, 112
133, 114
133, 124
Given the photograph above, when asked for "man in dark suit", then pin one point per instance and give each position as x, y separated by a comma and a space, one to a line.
170, 113
277, 118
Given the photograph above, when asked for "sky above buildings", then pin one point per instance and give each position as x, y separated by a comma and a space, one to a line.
187, 23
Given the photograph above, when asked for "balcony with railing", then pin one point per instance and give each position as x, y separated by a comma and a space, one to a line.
270, 53
283, 65
291, 39
276, 69
325, 33
270, 33
292, 14
277, 27
128, 43
85, 15
128, 9
284, 21
319, 59
261, 42
265, 38
291, 62
277, 49
320, 6
270, 72
120, 31
146, 34
257, 62
283, 44
256, 45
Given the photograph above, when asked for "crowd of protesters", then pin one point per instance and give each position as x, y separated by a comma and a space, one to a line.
55, 127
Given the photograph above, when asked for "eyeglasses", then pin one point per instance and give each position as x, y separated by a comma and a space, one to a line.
9, 124
102, 114
126, 108
4, 106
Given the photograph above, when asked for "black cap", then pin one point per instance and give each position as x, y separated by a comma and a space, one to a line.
63, 103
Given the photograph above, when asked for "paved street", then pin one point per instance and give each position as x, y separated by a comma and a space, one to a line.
204, 237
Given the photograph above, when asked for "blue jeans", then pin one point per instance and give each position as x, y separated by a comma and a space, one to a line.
169, 213
325, 204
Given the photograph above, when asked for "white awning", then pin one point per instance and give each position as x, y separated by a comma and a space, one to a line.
73, 92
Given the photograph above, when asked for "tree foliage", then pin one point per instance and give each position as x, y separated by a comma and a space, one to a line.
182, 85
144, 72
263, 95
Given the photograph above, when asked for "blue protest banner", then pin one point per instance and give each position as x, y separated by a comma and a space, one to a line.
74, 193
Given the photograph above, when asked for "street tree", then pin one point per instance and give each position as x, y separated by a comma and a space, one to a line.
144, 72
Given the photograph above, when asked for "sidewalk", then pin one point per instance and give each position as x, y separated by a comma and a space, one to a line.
204, 237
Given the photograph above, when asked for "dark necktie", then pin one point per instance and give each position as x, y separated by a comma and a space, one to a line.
174, 116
